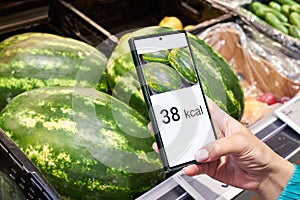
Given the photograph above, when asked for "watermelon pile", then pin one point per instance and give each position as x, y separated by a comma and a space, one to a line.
81, 117
219, 81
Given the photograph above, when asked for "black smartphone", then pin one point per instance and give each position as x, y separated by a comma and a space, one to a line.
172, 90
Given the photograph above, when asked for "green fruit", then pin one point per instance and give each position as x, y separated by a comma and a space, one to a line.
182, 61
294, 31
275, 5
295, 8
261, 10
161, 77
285, 9
87, 144
125, 85
295, 19
37, 60
218, 80
276, 23
122, 77
157, 56
288, 2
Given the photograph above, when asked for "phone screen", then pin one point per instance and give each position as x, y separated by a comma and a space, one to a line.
174, 95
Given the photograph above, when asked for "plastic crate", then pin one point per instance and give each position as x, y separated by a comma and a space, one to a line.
21, 175
119, 16
56, 17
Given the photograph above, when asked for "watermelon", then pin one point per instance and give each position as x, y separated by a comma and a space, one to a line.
220, 83
9, 189
87, 144
37, 60
157, 56
181, 60
161, 78
218, 80
122, 77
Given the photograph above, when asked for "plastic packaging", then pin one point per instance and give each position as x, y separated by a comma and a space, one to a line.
263, 63
263, 66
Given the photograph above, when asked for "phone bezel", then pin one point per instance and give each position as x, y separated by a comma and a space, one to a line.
146, 94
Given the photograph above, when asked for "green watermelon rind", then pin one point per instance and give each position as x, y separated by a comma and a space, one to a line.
158, 56
56, 127
182, 63
33, 60
161, 77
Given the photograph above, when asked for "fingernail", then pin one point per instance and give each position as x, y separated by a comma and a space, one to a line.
154, 146
184, 170
201, 155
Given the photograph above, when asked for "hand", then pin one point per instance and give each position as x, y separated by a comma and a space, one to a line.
240, 159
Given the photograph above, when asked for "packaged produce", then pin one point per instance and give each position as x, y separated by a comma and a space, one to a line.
262, 65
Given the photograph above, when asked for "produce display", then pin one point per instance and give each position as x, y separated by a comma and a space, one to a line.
219, 81
37, 60
81, 118
86, 143
283, 15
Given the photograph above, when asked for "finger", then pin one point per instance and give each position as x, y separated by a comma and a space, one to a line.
150, 128
194, 169
203, 168
155, 147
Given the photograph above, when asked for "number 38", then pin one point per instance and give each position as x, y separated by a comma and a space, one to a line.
174, 115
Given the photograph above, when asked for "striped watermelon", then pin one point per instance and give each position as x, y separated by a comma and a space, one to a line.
161, 77
157, 56
87, 144
220, 82
181, 60
122, 77
37, 60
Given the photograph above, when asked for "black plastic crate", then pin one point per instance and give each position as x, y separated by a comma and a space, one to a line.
119, 16
20, 176
56, 17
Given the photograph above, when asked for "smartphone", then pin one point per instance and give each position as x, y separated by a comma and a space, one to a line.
173, 93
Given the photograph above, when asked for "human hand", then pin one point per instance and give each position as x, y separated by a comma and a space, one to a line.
239, 158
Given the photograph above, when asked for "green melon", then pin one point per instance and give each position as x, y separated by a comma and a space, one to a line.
37, 60
161, 78
182, 61
157, 56
87, 144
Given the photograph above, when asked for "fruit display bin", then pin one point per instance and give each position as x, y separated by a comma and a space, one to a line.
56, 17
121, 16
